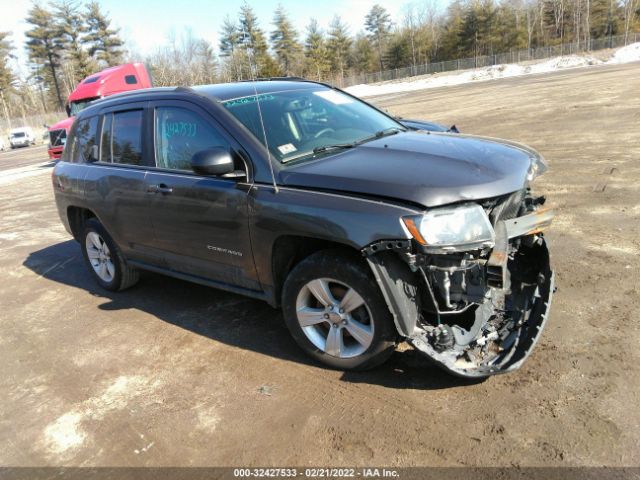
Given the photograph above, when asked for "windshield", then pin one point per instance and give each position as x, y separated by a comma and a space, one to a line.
18, 134
299, 122
76, 107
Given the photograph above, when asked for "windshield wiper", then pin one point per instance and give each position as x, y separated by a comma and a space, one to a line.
337, 146
382, 133
343, 146
375, 136
390, 131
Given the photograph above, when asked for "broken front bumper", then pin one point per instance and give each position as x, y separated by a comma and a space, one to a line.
503, 299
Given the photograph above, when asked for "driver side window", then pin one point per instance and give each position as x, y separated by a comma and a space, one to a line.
180, 133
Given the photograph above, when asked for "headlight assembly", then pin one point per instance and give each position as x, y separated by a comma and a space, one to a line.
452, 229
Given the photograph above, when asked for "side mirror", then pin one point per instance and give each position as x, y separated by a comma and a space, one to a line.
213, 161
45, 126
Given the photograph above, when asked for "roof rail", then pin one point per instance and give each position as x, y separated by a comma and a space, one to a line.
130, 93
184, 89
278, 79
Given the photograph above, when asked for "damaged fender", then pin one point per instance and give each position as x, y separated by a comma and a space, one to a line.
481, 317
400, 290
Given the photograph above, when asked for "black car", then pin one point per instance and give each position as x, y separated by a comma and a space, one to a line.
366, 231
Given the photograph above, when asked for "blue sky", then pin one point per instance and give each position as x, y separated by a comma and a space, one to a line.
145, 25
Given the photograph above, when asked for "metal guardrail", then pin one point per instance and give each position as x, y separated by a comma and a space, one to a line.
514, 56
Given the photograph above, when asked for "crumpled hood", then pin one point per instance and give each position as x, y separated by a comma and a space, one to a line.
429, 169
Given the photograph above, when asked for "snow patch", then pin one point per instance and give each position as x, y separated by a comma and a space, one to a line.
630, 53
9, 236
208, 419
65, 433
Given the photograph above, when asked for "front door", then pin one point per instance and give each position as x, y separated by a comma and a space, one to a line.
200, 223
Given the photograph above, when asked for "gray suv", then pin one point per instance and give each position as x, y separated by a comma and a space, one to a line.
366, 230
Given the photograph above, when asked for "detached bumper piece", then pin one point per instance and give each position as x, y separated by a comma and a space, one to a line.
474, 314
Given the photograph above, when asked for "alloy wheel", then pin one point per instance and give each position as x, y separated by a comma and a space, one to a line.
100, 257
335, 318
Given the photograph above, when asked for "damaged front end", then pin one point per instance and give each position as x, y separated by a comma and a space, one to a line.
475, 308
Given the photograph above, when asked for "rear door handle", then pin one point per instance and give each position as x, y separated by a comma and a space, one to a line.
162, 188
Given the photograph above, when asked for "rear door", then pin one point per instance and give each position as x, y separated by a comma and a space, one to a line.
200, 222
115, 180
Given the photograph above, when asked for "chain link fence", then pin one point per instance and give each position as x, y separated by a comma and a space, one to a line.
514, 56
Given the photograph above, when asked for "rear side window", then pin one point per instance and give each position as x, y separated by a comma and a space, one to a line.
86, 132
122, 138
105, 138
68, 154
180, 133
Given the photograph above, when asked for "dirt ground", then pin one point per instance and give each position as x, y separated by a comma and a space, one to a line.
175, 374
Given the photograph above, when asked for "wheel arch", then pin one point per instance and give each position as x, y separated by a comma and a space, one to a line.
290, 250
77, 217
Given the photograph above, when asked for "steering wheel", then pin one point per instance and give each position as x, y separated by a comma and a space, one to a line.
323, 131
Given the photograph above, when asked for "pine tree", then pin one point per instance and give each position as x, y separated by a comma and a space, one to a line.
398, 53
6, 75
73, 27
509, 30
229, 37
207, 64
45, 42
378, 24
105, 44
284, 40
315, 50
339, 43
253, 42
451, 47
362, 56
604, 18
230, 49
470, 35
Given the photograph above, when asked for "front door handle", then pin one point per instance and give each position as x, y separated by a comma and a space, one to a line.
162, 188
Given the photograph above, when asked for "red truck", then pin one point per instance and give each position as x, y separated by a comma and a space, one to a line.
112, 80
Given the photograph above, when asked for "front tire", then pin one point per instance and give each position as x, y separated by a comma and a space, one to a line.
336, 313
104, 259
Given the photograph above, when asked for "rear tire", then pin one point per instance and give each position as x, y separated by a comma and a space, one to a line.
104, 259
335, 311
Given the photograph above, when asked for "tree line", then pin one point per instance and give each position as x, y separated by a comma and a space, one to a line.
421, 35
251, 49
67, 40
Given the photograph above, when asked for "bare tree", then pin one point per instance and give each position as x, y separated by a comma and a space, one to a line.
630, 7
587, 26
431, 21
531, 18
577, 20
184, 60
411, 22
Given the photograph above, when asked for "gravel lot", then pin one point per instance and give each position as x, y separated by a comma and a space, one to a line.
171, 373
